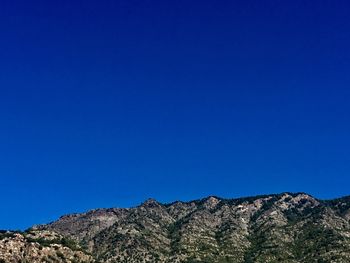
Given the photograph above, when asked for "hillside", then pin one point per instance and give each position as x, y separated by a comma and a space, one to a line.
283, 227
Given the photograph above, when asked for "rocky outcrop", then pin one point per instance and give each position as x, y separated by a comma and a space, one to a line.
39, 246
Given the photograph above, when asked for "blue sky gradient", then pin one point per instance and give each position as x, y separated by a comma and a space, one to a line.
107, 103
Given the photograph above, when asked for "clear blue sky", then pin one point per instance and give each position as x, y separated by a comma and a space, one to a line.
107, 103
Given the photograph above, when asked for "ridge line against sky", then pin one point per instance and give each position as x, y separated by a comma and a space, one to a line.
57, 217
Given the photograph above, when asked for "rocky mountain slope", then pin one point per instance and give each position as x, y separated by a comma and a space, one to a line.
39, 246
285, 227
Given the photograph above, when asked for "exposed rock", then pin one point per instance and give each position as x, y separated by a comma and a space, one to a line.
40, 246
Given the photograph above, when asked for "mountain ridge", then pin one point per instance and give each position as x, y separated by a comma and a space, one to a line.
285, 227
199, 200
194, 200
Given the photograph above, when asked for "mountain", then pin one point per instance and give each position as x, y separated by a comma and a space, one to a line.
287, 227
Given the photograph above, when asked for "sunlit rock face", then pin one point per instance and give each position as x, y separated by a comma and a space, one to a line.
287, 227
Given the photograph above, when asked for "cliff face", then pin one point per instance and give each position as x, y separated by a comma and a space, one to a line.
273, 228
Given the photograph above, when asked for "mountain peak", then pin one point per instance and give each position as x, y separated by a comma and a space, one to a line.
150, 202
